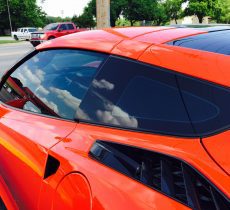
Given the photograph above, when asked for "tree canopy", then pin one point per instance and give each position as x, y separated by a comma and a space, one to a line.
173, 9
23, 13
155, 12
222, 11
200, 8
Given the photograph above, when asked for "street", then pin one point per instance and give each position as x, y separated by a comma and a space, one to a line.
11, 53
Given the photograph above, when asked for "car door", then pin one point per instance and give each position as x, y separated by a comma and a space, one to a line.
20, 34
62, 30
36, 112
26, 34
71, 28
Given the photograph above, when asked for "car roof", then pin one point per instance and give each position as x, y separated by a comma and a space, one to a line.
153, 45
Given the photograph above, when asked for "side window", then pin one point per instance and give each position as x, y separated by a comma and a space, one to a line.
63, 27
70, 26
129, 94
207, 105
52, 82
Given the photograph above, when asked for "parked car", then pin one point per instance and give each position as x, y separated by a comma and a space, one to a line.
23, 33
53, 31
117, 119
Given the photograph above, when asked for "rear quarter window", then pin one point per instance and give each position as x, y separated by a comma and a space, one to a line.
131, 95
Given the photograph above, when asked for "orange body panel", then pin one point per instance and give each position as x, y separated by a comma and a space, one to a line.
126, 191
120, 192
80, 182
74, 193
205, 65
218, 147
168, 35
24, 142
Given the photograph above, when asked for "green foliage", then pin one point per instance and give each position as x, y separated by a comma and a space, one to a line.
138, 10
51, 19
160, 16
133, 11
23, 13
116, 8
173, 9
87, 19
222, 11
200, 8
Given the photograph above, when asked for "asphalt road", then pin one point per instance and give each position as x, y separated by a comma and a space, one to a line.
11, 53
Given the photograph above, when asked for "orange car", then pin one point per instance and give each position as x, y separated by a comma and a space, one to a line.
119, 119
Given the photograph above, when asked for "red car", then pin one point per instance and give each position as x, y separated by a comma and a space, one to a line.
53, 31
117, 119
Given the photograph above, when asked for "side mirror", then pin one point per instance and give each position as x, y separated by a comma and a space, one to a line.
60, 30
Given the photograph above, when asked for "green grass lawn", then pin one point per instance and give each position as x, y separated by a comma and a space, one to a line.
8, 41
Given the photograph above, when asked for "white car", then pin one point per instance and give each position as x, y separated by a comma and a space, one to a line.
23, 33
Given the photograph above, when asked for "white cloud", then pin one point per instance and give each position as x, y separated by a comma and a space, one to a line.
32, 78
43, 90
40, 74
123, 119
50, 104
67, 97
103, 84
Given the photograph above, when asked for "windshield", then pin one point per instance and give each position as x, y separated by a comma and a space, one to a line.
51, 27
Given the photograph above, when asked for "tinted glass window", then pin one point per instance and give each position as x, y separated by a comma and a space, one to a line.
132, 95
63, 27
70, 26
51, 27
32, 29
207, 105
218, 42
52, 82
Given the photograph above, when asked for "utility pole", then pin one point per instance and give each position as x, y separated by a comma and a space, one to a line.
8, 8
103, 13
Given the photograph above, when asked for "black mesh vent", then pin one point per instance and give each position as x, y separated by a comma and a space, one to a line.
166, 174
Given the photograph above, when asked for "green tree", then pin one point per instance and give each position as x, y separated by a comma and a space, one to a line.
222, 11
173, 9
116, 7
200, 8
160, 16
87, 19
23, 13
51, 19
138, 10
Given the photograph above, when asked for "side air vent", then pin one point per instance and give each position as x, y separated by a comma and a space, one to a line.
52, 166
163, 173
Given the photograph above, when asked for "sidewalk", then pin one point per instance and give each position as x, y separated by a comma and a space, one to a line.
6, 38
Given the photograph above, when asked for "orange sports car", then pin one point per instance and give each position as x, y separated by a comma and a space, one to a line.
119, 119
